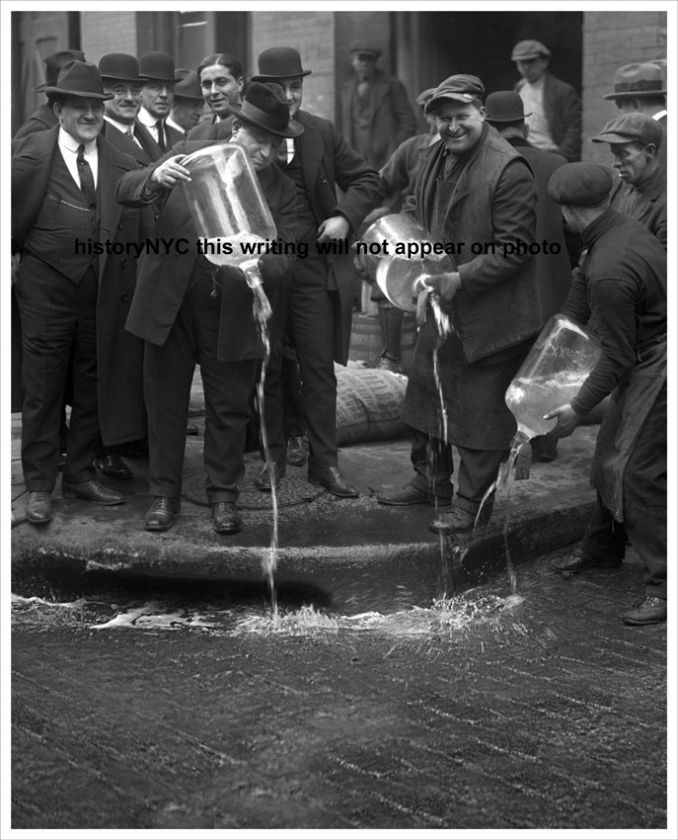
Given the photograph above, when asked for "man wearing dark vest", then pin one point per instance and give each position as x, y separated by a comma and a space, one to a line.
473, 189
157, 93
120, 78
72, 300
320, 299
44, 117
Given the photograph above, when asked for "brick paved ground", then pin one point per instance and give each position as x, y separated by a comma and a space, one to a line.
547, 715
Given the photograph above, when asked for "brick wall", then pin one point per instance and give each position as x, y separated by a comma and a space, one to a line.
611, 39
106, 32
312, 33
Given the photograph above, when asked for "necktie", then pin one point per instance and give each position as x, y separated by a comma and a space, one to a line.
161, 136
133, 137
86, 178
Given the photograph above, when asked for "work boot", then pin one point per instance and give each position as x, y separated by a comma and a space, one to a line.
225, 518
162, 513
581, 561
297, 450
39, 508
461, 517
651, 610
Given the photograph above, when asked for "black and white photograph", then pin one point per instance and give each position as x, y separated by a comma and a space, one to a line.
337, 419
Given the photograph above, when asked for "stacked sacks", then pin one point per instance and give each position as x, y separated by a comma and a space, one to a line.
369, 404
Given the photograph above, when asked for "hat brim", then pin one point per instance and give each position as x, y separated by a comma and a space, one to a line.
137, 81
293, 129
634, 94
144, 79
614, 138
464, 98
260, 77
515, 118
529, 57
88, 94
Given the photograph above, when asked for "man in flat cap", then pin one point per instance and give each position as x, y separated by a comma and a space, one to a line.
641, 88
640, 191
44, 117
320, 298
619, 290
73, 299
375, 114
553, 105
475, 191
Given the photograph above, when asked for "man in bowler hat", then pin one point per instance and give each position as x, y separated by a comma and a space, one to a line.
320, 299
190, 312
72, 300
157, 94
188, 104
620, 291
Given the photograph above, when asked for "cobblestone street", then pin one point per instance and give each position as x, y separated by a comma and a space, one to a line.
547, 712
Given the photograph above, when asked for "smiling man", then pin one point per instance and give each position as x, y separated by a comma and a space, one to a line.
640, 192
475, 188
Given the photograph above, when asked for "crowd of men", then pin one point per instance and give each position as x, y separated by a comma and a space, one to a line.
116, 335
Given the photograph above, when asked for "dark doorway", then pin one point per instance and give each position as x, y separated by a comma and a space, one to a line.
480, 43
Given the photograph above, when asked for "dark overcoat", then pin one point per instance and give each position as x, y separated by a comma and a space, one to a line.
122, 416
164, 276
40, 120
562, 109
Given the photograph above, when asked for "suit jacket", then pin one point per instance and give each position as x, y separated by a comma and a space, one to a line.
119, 355
40, 120
562, 109
144, 154
328, 162
164, 277
390, 113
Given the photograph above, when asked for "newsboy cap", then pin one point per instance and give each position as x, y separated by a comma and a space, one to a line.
424, 97
279, 63
581, 184
638, 80
371, 52
79, 78
54, 63
461, 88
525, 50
504, 106
119, 66
631, 126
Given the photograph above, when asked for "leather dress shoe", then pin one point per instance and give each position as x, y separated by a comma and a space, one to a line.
225, 518
460, 519
580, 561
411, 495
162, 513
331, 479
263, 480
651, 610
113, 466
92, 491
39, 507
297, 450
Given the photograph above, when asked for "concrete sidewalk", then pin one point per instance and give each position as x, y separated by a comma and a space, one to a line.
320, 536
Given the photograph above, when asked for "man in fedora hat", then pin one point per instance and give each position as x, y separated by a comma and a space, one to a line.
188, 104
320, 299
188, 312
375, 114
553, 105
73, 297
44, 117
475, 189
620, 291
641, 88
640, 191
157, 94
120, 78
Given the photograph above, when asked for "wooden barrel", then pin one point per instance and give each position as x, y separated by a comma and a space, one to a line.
367, 343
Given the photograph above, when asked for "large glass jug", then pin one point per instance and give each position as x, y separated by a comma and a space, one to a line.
552, 374
229, 211
396, 275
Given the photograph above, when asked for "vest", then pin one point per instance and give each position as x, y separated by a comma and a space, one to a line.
306, 221
63, 222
